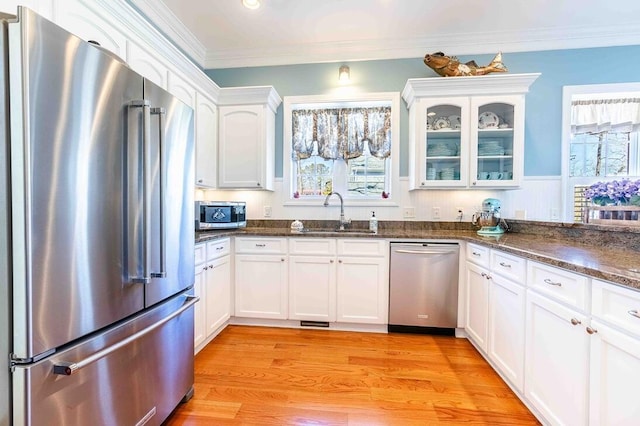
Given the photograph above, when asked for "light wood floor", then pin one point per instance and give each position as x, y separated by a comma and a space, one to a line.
272, 376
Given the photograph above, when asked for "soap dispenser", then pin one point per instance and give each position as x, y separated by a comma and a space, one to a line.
373, 223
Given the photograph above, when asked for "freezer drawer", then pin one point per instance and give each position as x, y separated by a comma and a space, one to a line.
140, 382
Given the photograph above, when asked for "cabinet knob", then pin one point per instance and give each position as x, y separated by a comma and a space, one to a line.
199, 180
258, 183
473, 183
282, 259
340, 261
331, 261
591, 330
575, 321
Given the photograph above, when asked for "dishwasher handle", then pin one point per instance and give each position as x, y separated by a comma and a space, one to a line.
404, 251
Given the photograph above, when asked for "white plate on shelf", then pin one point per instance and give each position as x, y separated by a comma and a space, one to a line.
441, 123
488, 120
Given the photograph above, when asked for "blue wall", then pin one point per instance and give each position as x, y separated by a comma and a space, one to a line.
543, 112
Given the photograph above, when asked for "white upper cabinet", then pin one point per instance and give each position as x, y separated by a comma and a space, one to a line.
206, 142
467, 131
90, 25
182, 89
246, 138
147, 64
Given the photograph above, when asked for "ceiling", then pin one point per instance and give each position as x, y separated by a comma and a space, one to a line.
224, 34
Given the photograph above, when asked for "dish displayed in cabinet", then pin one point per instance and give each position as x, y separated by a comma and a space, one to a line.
488, 120
441, 123
441, 150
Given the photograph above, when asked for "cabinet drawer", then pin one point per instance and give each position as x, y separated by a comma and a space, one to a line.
478, 254
261, 245
509, 266
361, 247
312, 246
200, 253
616, 305
218, 248
565, 286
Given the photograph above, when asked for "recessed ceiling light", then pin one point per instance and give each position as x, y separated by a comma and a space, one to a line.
251, 4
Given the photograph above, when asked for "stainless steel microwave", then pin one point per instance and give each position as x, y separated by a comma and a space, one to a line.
220, 215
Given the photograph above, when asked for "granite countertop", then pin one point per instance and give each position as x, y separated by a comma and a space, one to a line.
606, 262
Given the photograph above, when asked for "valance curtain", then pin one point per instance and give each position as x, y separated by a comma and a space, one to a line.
341, 133
605, 115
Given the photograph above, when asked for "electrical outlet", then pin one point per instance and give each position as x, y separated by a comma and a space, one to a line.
408, 212
459, 213
267, 211
435, 213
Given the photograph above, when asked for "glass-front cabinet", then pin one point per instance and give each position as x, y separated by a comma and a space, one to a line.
467, 132
444, 154
497, 141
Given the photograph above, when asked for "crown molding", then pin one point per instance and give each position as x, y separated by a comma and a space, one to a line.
453, 44
133, 23
168, 23
467, 86
250, 95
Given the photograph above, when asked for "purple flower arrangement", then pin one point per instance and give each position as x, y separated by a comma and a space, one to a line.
623, 192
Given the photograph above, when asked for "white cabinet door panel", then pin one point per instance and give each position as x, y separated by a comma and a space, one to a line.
615, 374
557, 361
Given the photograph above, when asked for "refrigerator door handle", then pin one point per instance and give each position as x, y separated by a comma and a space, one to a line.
145, 248
69, 368
161, 113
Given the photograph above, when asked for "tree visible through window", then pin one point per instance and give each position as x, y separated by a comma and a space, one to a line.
345, 148
603, 143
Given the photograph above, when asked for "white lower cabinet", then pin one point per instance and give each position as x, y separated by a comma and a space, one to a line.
344, 280
218, 285
557, 361
614, 374
261, 278
506, 328
312, 288
477, 304
213, 287
199, 324
261, 286
615, 356
363, 290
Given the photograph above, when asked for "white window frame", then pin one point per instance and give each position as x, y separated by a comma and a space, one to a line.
568, 93
332, 101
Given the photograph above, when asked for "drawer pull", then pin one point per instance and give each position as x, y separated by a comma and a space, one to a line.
591, 330
575, 321
634, 313
475, 253
261, 245
220, 248
505, 265
548, 281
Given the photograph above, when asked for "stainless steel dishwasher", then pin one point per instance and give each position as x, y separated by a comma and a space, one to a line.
423, 293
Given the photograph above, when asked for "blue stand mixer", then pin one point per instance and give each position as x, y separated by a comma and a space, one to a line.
489, 218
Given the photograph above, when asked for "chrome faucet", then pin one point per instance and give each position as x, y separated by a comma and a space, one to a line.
343, 221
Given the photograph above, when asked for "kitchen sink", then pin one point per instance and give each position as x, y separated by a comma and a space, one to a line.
337, 231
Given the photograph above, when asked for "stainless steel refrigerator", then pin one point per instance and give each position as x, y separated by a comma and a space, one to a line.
96, 235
